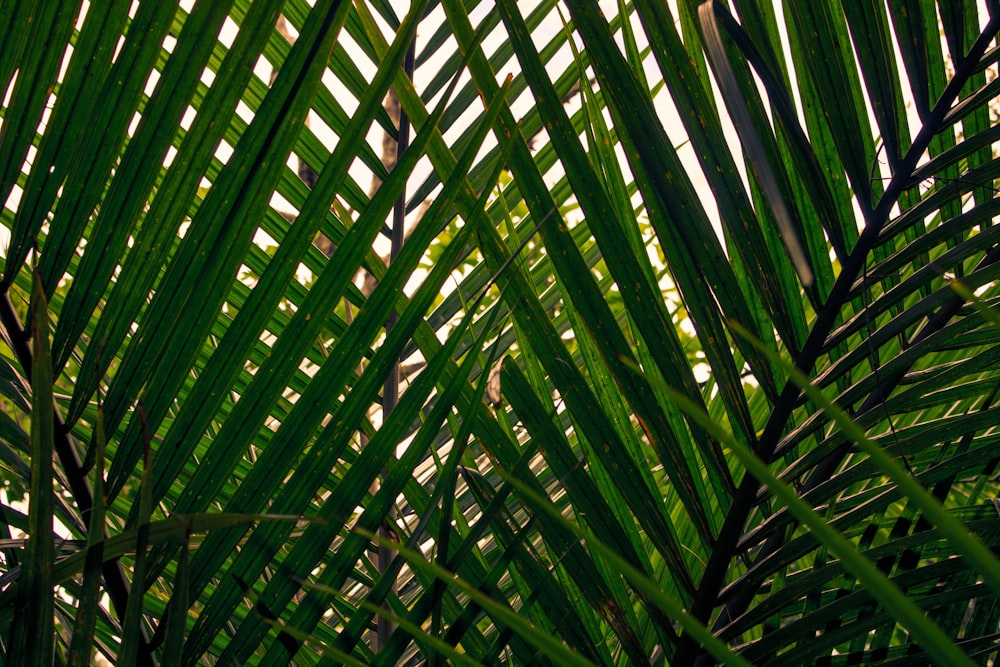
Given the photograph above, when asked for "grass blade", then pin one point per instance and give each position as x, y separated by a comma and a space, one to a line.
34, 626
86, 614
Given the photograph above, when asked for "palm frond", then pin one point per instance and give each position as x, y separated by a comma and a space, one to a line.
694, 319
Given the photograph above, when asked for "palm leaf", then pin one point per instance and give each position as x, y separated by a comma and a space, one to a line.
740, 342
